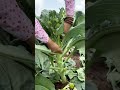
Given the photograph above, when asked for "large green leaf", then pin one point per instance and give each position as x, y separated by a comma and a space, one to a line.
43, 49
78, 84
114, 78
75, 31
39, 87
79, 18
42, 81
103, 10
18, 54
81, 74
41, 59
103, 23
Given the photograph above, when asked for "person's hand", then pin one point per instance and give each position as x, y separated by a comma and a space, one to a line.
53, 46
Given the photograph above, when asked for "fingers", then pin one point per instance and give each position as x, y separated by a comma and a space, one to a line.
58, 51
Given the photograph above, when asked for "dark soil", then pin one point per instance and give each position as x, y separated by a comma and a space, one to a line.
60, 85
97, 73
76, 58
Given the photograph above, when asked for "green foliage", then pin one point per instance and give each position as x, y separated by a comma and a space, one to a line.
57, 66
103, 31
51, 20
42, 83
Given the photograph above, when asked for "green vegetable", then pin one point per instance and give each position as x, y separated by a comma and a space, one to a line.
71, 85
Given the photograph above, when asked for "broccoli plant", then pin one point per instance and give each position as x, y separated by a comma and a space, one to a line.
61, 67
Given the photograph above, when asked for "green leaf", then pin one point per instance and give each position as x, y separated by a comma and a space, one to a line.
79, 18
75, 31
114, 78
42, 48
81, 47
71, 74
40, 80
81, 74
60, 29
42, 60
39, 87
78, 84
103, 10
18, 54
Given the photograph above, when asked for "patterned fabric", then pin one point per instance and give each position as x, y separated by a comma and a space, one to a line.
15, 22
40, 33
70, 7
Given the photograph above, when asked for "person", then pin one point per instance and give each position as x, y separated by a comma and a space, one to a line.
15, 21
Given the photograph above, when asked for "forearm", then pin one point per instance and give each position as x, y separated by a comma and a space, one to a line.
14, 21
40, 33
70, 10
70, 7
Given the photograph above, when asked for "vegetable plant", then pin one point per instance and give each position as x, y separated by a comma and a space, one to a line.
61, 68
